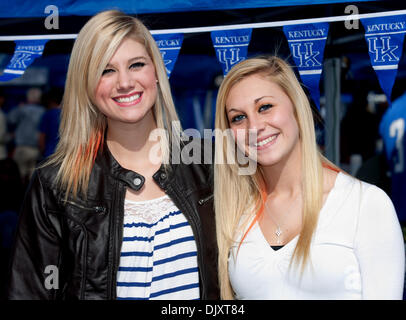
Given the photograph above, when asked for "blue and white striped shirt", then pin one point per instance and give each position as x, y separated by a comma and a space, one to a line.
158, 254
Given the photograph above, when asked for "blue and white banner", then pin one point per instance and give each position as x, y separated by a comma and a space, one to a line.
306, 43
384, 36
25, 53
231, 46
169, 45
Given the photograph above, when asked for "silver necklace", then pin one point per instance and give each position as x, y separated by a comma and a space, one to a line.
278, 232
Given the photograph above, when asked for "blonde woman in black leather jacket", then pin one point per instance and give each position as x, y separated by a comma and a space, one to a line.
70, 242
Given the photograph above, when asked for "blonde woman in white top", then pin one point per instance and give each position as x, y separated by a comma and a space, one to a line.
298, 228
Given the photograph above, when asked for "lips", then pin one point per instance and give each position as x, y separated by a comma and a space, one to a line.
128, 99
262, 143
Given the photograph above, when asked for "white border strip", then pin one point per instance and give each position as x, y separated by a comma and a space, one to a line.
388, 67
170, 48
383, 33
226, 27
230, 45
305, 72
13, 71
308, 39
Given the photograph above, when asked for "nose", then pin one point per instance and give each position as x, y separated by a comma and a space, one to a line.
124, 80
256, 125
256, 122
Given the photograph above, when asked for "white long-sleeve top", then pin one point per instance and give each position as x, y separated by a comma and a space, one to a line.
357, 252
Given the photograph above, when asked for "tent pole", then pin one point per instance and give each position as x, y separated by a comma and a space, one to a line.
332, 92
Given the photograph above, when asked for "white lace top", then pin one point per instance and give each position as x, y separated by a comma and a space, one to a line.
158, 255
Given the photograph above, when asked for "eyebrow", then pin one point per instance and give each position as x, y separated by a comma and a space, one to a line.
130, 60
255, 101
232, 110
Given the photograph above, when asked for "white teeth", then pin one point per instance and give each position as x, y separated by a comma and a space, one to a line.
127, 99
264, 142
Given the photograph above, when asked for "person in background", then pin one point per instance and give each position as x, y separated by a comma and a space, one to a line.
49, 124
392, 130
299, 227
110, 211
25, 120
11, 191
11, 196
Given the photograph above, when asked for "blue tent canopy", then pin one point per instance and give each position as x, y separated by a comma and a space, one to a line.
24, 8
195, 77
23, 17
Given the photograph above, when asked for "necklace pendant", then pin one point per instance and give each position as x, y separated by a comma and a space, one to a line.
278, 233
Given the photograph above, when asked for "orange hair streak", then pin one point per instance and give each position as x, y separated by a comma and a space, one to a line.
92, 147
326, 165
259, 213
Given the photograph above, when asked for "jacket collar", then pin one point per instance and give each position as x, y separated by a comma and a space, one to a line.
131, 178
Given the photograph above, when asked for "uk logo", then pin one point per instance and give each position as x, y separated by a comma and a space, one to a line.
231, 46
305, 55
20, 61
382, 49
384, 38
306, 44
24, 55
229, 57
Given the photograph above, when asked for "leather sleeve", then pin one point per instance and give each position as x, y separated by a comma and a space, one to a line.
36, 255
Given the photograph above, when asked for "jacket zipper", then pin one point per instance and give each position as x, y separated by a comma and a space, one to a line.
117, 234
204, 200
96, 209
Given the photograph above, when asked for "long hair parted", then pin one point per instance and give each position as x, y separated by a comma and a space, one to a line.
83, 126
238, 199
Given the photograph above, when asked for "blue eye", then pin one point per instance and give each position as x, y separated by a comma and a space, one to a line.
237, 118
265, 107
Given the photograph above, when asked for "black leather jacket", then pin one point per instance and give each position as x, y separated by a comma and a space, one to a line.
71, 250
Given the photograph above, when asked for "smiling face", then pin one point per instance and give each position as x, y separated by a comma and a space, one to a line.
257, 104
127, 89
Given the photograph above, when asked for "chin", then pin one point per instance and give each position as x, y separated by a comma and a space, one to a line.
135, 116
268, 161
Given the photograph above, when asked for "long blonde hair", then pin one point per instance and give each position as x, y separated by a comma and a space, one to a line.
83, 126
236, 195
